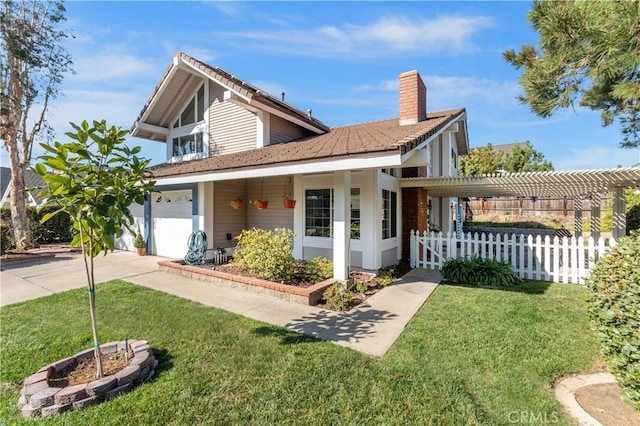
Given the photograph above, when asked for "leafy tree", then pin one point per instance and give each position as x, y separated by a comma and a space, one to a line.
523, 158
587, 50
486, 160
95, 179
480, 161
33, 63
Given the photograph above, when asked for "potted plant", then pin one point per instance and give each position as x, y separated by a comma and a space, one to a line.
261, 203
140, 244
287, 198
237, 203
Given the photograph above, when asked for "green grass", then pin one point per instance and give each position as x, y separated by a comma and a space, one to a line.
470, 356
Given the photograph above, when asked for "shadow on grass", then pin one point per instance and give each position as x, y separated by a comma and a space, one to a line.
287, 337
165, 362
527, 287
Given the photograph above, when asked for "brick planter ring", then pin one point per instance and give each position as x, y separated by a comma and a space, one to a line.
39, 398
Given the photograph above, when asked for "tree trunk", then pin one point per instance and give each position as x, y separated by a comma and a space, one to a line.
21, 233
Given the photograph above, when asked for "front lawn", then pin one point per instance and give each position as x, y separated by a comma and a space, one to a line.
470, 356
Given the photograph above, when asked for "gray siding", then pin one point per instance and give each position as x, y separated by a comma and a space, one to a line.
285, 131
309, 253
225, 219
275, 216
389, 257
231, 127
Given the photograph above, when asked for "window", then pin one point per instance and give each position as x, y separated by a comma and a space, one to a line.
188, 144
318, 212
194, 111
389, 214
355, 213
454, 159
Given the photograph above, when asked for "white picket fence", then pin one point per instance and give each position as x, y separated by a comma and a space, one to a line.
567, 260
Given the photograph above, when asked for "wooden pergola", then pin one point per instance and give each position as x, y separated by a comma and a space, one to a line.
579, 184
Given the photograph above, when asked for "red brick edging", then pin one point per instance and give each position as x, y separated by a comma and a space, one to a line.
308, 296
38, 398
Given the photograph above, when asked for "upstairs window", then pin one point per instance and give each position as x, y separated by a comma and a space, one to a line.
188, 144
194, 111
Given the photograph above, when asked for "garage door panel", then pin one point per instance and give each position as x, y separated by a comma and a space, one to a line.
172, 223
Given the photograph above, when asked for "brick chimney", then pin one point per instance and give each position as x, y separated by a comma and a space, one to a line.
413, 98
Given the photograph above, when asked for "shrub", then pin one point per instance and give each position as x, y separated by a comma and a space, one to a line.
56, 229
6, 241
337, 297
480, 272
384, 278
319, 269
265, 253
614, 308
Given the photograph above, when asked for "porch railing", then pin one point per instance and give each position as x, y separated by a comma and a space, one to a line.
567, 260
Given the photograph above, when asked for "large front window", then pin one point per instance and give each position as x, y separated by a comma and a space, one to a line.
389, 214
319, 213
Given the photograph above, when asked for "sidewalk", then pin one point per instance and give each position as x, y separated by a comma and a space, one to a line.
371, 328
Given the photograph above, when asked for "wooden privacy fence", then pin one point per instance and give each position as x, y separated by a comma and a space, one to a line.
567, 260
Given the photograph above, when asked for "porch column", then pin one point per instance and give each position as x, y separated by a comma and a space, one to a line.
595, 216
341, 225
619, 213
577, 216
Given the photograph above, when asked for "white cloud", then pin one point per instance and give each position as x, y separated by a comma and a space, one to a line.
110, 64
389, 36
384, 85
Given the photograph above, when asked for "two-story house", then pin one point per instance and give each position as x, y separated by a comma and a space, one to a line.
226, 139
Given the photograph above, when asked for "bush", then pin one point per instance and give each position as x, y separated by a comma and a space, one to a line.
384, 278
58, 229
337, 297
319, 269
479, 272
267, 254
614, 308
6, 241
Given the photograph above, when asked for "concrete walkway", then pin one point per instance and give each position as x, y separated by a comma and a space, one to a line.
371, 328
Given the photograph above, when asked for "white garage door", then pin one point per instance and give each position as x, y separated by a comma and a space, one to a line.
126, 241
172, 223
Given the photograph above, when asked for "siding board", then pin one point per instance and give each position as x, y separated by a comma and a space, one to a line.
225, 219
285, 131
275, 216
231, 127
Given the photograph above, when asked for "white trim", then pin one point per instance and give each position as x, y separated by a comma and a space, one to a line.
327, 165
156, 96
433, 137
153, 128
238, 99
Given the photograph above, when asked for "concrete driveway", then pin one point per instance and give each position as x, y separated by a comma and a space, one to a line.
30, 280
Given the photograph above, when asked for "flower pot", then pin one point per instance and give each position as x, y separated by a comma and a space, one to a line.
261, 204
237, 204
142, 251
289, 204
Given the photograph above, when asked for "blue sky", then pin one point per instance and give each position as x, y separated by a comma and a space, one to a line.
341, 59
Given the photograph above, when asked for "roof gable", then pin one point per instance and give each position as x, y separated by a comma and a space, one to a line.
183, 77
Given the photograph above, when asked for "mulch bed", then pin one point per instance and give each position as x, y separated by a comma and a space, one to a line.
85, 370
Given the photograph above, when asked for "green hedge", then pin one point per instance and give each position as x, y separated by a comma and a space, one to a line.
58, 229
614, 308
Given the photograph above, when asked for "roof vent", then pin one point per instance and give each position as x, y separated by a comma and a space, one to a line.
309, 113
282, 96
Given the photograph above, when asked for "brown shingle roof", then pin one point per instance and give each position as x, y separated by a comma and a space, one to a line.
376, 137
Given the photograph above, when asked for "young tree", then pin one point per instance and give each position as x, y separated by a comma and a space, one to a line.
523, 158
480, 161
95, 179
587, 50
33, 63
